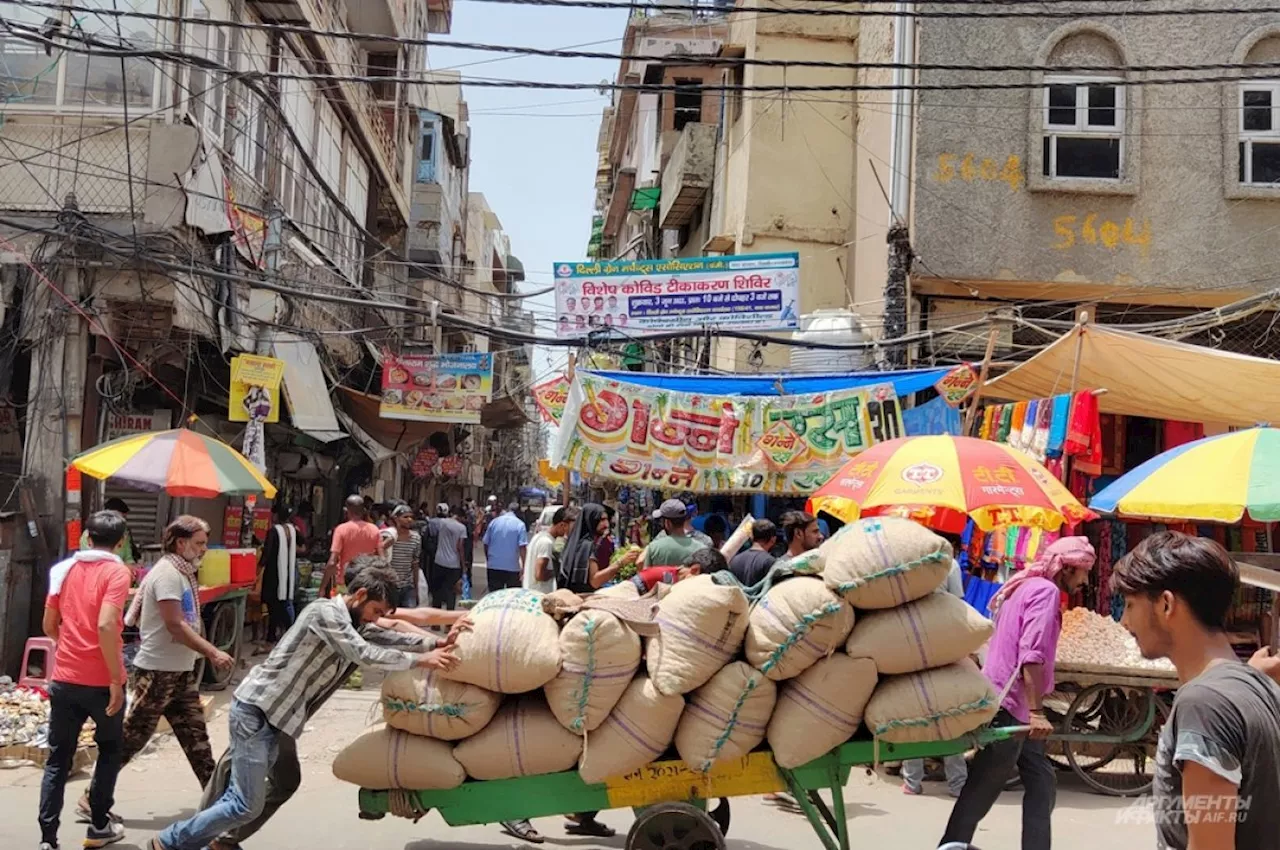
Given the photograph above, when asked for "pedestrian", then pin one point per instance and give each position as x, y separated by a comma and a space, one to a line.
405, 555
717, 530
1028, 620
126, 550
451, 537
302, 521
505, 543
87, 595
279, 566
166, 612
801, 533
471, 518
357, 536
750, 567
260, 770
1217, 769
580, 568
675, 545
540, 565
954, 767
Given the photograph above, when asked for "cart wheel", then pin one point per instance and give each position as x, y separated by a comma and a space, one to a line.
720, 814
222, 633
674, 826
1117, 770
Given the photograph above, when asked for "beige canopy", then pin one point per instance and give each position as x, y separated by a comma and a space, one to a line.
1146, 376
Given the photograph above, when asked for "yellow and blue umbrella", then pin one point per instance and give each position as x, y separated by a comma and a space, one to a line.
179, 462
1215, 479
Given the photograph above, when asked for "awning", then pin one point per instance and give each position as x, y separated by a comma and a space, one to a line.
904, 382
306, 390
1146, 376
395, 434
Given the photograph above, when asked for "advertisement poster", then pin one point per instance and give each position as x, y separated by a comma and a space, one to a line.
550, 397
255, 388
758, 292
958, 384
440, 388
790, 444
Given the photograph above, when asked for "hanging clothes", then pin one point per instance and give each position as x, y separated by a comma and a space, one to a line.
1180, 433
1028, 437
1040, 436
1006, 423
1084, 434
988, 421
1058, 425
1018, 419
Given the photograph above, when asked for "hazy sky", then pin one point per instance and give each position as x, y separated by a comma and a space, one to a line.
533, 153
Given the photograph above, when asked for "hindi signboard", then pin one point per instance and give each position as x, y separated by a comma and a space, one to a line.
255, 388
758, 292
550, 397
436, 388
789, 444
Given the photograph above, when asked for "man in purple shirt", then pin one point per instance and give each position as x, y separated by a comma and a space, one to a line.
1028, 619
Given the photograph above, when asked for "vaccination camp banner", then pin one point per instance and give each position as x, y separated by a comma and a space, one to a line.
786, 444
757, 292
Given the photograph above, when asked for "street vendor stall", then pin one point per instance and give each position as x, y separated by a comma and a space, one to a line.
182, 462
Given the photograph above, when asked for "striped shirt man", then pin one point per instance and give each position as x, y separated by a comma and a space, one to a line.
316, 657
405, 557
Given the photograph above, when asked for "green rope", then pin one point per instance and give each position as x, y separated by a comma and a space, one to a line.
807, 622
913, 722
451, 709
862, 581
584, 693
733, 721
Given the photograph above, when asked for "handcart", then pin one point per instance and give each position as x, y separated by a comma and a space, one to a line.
669, 799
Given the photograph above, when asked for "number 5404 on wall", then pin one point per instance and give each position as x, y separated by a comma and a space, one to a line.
969, 168
1074, 230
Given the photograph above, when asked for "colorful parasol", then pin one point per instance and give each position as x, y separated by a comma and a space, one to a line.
1216, 479
179, 462
942, 481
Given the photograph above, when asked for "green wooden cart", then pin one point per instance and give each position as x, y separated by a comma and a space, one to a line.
670, 800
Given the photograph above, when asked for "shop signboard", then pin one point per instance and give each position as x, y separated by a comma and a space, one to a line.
550, 397
436, 388
788, 444
757, 292
255, 388
424, 462
451, 467
958, 384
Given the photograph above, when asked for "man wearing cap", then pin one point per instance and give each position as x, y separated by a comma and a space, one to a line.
675, 547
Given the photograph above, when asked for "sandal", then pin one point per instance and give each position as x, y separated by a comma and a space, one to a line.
85, 815
590, 827
523, 830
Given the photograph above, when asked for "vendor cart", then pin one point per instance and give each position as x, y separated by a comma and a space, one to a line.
670, 800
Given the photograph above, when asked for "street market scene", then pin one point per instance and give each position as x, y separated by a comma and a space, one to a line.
898, 465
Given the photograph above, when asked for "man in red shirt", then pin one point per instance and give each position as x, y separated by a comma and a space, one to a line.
84, 614
351, 539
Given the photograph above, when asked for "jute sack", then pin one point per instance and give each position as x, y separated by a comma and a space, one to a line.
423, 703
883, 562
701, 627
820, 709
727, 717
937, 630
796, 623
932, 705
637, 731
388, 758
600, 656
524, 739
513, 646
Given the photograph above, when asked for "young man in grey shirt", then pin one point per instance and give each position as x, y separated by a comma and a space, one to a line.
451, 535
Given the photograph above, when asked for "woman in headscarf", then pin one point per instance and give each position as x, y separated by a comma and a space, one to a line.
580, 568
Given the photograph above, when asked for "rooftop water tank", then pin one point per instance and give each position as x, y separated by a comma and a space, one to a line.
831, 326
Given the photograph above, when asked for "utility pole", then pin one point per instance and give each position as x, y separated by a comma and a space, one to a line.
896, 295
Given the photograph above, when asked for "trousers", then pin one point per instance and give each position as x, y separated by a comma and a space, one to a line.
69, 707
990, 770
283, 779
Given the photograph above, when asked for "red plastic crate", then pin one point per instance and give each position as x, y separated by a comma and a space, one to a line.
244, 567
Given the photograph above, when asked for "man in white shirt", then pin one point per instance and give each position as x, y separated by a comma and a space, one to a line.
539, 563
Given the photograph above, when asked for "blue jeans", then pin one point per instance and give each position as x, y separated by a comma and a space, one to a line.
69, 707
253, 749
954, 766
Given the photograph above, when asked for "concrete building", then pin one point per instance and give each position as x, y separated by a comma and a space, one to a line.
1090, 187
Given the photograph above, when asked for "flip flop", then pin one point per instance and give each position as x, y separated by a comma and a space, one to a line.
523, 830
590, 827
784, 802
85, 815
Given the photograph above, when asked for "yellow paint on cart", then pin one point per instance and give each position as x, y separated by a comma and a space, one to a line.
673, 781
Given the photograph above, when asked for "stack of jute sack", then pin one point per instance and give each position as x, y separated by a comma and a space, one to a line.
855, 632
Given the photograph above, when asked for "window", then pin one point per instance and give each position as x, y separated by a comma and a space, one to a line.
1083, 128
206, 90
1260, 133
688, 102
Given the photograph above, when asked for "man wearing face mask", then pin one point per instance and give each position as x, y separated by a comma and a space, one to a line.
271, 707
166, 610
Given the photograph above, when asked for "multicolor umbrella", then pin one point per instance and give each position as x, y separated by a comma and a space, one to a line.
942, 481
179, 462
1216, 479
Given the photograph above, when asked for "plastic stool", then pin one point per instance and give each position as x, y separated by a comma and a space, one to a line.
42, 648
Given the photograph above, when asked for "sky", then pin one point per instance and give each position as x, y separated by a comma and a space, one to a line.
533, 152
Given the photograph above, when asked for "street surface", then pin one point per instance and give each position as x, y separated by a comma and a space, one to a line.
159, 787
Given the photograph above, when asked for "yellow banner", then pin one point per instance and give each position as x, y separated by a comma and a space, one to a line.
255, 388
669, 440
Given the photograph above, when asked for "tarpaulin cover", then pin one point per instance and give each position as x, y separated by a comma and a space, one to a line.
904, 383
1146, 376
